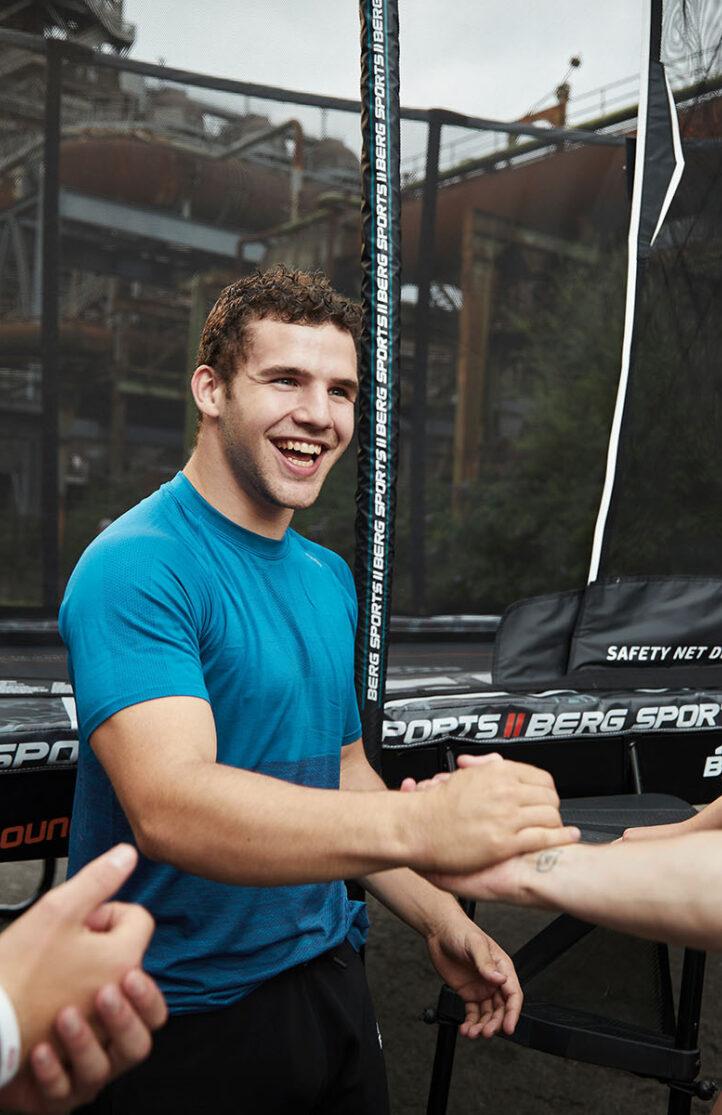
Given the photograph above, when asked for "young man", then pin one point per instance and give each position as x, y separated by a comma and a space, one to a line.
211, 649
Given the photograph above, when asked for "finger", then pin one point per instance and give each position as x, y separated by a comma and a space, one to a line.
533, 794
49, 1076
105, 917
538, 840
537, 816
512, 1006
146, 997
130, 1040
473, 1014
533, 776
96, 882
650, 832
486, 1013
408, 786
484, 964
478, 760
89, 1063
494, 1024
132, 930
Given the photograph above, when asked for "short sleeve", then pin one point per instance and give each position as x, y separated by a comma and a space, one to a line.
132, 620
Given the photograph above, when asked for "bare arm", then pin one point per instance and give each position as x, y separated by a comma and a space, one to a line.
416, 901
463, 955
706, 820
669, 890
237, 826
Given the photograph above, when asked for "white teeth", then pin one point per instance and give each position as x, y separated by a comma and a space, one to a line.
300, 446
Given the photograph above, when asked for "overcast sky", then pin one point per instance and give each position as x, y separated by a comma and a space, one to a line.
492, 58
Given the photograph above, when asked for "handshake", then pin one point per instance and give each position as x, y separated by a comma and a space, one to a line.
488, 811
660, 882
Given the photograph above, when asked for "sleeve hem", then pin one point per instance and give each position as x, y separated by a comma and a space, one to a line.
106, 711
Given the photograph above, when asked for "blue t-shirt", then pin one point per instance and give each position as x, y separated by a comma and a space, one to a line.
174, 599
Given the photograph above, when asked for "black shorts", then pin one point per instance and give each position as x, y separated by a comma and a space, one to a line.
306, 1042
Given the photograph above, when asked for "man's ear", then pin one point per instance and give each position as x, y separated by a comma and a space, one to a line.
208, 390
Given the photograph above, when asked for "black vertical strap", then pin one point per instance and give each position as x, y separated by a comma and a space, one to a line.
379, 396
638, 219
49, 503
655, 31
655, 175
424, 272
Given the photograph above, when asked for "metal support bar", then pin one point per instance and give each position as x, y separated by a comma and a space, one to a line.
427, 234
50, 504
690, 1006
273, 93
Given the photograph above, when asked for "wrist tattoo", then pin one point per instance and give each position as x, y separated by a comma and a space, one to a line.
547, 861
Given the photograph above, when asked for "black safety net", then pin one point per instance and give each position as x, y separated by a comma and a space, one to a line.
525, 321
667, 488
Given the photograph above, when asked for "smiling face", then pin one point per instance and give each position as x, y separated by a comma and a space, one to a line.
290, 412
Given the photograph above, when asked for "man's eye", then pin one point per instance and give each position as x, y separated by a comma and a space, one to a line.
341, 392
285, 380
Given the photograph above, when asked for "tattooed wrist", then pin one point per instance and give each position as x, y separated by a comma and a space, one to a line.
547, 860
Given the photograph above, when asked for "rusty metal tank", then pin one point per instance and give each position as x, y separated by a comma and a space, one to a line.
145, 170
574, 194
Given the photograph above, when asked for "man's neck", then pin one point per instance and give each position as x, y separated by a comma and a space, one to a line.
216, 483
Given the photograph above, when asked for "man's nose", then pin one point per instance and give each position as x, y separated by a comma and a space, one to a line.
313, 408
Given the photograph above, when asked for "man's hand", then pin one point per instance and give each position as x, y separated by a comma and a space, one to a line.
481, 973
488, 810
70, 944
55, 1081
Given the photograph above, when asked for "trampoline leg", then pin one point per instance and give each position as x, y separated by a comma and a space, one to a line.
680, 1103
442, 1070
690, 1006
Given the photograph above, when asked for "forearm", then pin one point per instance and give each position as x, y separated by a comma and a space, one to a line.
416, 901
708, 818
245, 828
667, 890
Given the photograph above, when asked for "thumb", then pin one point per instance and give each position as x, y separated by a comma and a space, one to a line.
479, 953
97, 881
479, 760
132, 930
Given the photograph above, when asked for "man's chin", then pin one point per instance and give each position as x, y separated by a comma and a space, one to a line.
297, 497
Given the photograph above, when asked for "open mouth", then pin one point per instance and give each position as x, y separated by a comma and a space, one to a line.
300, 454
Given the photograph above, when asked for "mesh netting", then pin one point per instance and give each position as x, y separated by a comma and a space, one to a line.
663, 517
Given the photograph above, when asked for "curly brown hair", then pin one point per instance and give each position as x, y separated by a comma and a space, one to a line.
293, 297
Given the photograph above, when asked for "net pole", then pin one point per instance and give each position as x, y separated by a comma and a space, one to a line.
50, 328
379, 358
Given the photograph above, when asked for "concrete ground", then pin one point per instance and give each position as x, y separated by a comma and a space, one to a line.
496, 1076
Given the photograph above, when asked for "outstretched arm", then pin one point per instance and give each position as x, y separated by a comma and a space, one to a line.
246, 828
667, 890
707, 819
